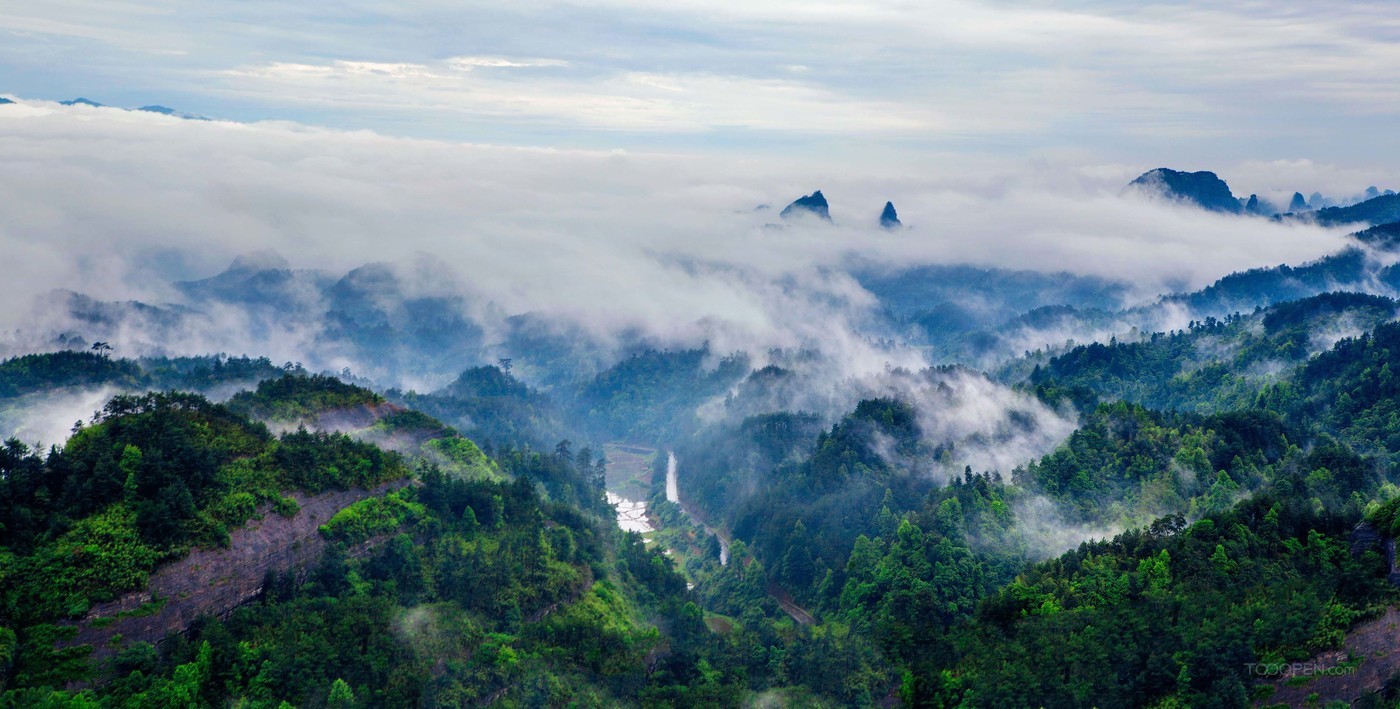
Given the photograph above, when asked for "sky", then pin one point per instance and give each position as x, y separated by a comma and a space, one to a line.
893, 85
601, 161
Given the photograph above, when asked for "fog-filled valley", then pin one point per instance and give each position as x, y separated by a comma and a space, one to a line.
296, 416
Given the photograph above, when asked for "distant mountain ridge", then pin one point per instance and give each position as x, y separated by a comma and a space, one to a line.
167, 111
1384, 209
1208, 191
813, 204
1204, 189
152, 108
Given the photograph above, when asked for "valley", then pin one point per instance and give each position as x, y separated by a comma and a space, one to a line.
628, 396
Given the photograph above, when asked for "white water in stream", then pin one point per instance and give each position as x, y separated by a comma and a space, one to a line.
631, 516
673, 494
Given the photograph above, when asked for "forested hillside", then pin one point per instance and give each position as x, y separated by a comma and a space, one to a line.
881, 354
485, 580
1217, 364
1241, 520
1136, 521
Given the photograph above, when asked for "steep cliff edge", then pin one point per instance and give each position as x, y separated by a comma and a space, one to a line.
214, 582
1364, 663
1367, 658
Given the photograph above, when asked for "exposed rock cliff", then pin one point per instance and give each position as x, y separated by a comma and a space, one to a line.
813, 204
216, 581
889, 218
1203, 189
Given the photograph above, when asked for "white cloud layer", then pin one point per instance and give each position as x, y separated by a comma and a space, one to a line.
113, 203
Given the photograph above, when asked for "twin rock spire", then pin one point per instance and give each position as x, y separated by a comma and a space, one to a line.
815, 204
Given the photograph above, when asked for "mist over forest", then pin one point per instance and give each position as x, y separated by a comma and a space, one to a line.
653, 357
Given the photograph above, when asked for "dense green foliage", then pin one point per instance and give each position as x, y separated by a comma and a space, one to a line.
43, 372
654, 395
46, 372
206, 373
294, 398
491, 406
1159, 613
939, 577
150, 477
1235, 483
1351, 392
1216, 365
517, 591
1127, 463
1243, 291
459, 603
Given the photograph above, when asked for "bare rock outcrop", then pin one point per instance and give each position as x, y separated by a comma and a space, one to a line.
215, 582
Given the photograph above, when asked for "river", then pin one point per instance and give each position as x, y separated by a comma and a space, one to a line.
673, 489
673, 494
631, 515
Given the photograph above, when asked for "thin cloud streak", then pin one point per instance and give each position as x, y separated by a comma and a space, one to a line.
1182, 80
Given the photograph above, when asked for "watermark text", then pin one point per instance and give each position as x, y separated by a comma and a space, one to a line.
1297, 669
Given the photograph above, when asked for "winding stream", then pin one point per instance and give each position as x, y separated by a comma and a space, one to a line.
632, 514
673, 494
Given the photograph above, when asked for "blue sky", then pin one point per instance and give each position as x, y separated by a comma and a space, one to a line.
1191, 84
